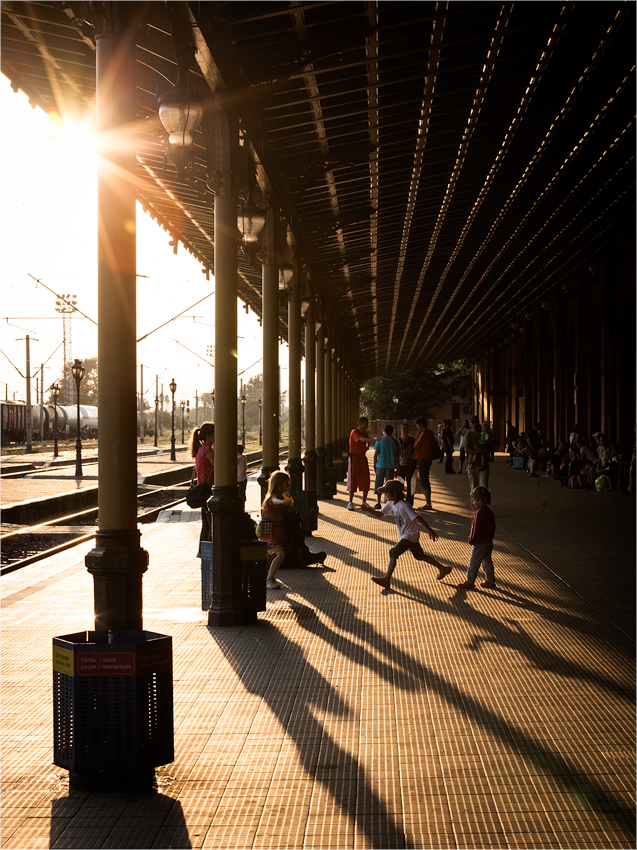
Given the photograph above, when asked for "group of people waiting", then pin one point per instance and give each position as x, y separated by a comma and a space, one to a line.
576, 462
409, 458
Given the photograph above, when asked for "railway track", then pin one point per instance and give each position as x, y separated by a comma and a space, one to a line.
25, 469
26, 545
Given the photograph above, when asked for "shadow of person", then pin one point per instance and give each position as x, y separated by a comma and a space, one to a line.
149, 817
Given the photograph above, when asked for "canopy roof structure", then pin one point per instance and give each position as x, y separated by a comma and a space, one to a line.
441, 166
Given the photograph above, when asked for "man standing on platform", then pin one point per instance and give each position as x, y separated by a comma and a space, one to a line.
385, 460
357, 465
477, 456
447, 446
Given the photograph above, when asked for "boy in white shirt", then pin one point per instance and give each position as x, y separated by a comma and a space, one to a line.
408, 531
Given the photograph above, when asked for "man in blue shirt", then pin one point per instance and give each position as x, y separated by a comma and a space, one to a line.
385, 460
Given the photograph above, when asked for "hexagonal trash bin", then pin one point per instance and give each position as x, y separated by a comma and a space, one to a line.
112, 706
248, 581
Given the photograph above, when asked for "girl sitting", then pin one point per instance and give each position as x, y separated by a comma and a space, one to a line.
271, 528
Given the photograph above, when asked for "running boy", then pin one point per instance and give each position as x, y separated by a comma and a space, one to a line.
408, 531
481, 538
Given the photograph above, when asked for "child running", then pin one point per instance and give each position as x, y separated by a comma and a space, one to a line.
481, 538
408, 531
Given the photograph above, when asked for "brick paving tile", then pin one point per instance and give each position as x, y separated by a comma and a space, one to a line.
420, 717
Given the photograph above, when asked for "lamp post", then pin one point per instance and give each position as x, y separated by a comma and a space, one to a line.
78, 373
395, 400
173, 390
182, 405
260, 422
55, 392
156, 408
243, 419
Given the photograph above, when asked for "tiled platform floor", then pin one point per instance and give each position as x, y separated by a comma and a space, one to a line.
349, 717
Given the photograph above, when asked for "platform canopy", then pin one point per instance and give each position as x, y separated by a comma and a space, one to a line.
441, 167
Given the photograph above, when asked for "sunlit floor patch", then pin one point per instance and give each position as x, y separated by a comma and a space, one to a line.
177, 615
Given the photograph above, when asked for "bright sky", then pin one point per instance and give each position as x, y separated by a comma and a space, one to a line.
48, 203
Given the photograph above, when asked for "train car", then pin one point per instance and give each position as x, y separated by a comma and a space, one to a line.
88, 418
13, 415
49, 425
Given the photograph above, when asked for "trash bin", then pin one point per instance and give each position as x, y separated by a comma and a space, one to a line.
340, 466
329, 483
248, 585
306, 504
112, 706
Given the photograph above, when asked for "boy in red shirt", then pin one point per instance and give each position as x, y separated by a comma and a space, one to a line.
481, 538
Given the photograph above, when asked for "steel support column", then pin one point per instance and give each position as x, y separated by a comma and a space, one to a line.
226, 507
117, 562
327, 355
336, 454
271, 386
310, 404
294, 467
320, 410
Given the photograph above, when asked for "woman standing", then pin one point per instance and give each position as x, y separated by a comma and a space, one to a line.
202, 450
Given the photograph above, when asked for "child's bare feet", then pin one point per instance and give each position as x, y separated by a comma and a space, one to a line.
444, 571
383, 582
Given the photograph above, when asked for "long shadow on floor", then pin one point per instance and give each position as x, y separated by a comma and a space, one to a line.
455, 528
404, 671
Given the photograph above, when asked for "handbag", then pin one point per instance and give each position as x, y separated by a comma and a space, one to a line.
416, 487
198, 494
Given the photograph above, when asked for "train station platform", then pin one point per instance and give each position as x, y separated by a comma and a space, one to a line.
351, 717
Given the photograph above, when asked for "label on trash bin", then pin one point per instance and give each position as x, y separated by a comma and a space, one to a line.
155, 659
255, 552
105, 663
63, 661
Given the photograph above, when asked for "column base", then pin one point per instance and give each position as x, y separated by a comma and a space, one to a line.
320, 472
227, 512
310, 470
294, 469
117, 563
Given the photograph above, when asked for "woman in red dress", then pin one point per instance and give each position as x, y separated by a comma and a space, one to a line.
358, 467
